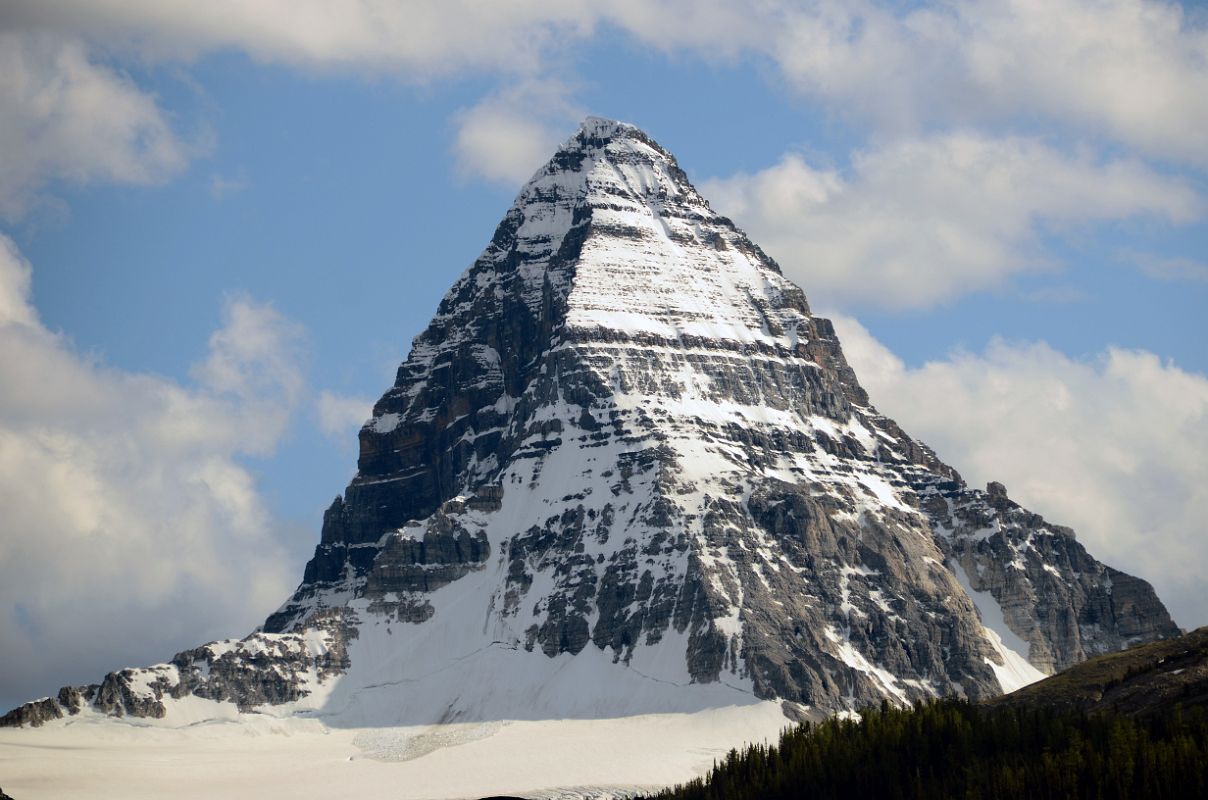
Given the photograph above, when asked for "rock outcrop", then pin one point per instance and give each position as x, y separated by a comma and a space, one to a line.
1066, 605
259, 670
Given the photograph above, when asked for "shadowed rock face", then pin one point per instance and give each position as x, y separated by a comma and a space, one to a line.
625, 415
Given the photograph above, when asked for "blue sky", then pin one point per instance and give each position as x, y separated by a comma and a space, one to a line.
223, 225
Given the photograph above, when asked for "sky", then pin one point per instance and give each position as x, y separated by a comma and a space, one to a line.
222, 223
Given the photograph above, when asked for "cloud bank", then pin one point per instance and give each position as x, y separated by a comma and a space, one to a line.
1133, 71
137, 529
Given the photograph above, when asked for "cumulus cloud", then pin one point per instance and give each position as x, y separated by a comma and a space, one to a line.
131, 529
68, 118
341, 415
921, 221
1133, 70
1115, 446
508, 135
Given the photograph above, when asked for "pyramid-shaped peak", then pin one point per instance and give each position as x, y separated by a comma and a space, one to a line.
601, 134
604, 128
609, 136
612, 234
605, 145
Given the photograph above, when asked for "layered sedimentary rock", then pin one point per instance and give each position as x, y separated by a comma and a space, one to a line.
625, 439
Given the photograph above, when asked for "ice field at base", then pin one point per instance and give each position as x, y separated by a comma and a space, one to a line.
270, 758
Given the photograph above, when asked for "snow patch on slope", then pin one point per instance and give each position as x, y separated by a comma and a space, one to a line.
1015, 671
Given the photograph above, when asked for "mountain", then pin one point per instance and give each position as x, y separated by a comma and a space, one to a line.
625, 470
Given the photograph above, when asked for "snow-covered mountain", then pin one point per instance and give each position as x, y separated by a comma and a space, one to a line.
626, 471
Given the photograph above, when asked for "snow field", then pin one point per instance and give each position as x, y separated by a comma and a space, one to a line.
271, 759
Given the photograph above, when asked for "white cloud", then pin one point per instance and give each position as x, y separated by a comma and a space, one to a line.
922, 221
1166, 269
1116, 446
1133, 70
423, 38
507, 136
130, 527
15, 284
221, 185
341, 416
67, 118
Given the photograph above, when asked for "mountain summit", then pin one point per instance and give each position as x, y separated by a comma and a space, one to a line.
625, 470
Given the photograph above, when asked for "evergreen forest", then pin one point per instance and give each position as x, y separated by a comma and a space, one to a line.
955, 749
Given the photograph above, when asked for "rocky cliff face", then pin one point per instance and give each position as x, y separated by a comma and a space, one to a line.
1061, 602
625, 440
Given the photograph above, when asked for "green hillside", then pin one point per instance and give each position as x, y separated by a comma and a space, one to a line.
1141, 680
1128, 725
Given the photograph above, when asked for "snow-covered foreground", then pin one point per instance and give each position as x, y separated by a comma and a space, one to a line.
264, 758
